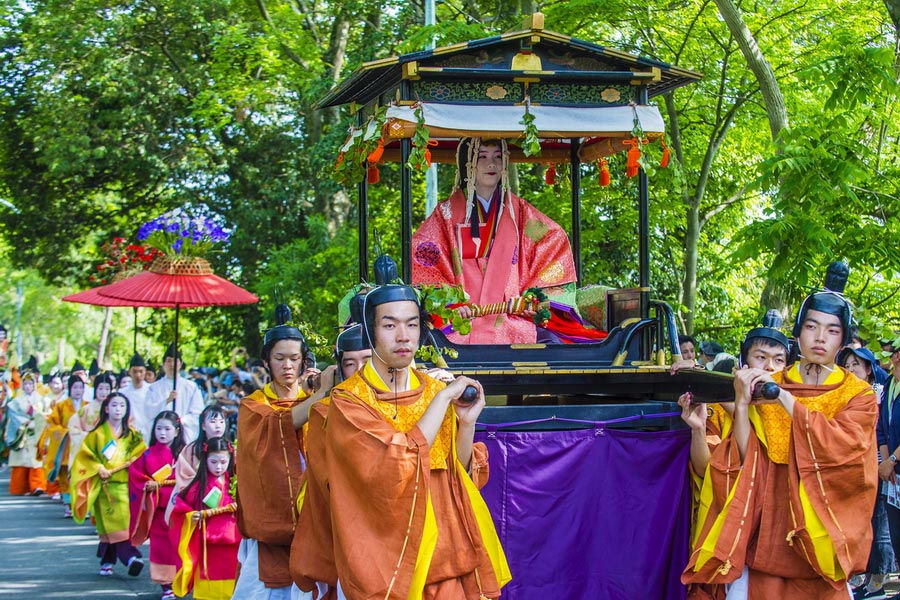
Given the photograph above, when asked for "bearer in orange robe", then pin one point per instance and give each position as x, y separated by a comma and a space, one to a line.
786, 500
269, 466
391, 508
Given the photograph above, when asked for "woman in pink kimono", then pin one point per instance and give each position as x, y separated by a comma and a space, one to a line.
492, 243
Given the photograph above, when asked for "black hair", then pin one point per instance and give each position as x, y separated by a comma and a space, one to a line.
177, 444
684, 339
105, 378
766, 343
725, 366
210, 410
104, 415
72, 381
216, 444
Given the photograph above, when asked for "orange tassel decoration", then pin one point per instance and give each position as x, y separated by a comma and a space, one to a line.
634, 156
604, 172
550, 175
664, 161
373, 175
430, 143
375, 156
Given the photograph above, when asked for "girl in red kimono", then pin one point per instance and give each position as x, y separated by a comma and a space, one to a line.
204, 523
151, 479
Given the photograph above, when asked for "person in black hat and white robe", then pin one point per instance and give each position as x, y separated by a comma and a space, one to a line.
180, 395
136, 392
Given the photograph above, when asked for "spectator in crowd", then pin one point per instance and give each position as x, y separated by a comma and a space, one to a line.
687, 345
708, 352
889, 440
862, 363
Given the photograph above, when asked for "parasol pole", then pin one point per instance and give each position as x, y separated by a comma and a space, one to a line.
135, 329
175, 372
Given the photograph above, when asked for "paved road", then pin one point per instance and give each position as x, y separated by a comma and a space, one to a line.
44, 555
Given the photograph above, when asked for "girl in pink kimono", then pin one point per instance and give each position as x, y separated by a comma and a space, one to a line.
204, 523
212, 424
151, 479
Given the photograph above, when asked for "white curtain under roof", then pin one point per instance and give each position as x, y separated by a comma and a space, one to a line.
551, 121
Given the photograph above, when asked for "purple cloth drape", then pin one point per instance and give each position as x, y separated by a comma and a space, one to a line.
591, 513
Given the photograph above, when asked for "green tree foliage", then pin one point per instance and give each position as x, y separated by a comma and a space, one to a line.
113, 112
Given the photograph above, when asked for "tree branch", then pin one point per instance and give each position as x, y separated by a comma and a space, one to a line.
261, 4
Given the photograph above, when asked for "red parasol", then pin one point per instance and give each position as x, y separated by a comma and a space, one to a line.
156, 288
94, 298
179, 282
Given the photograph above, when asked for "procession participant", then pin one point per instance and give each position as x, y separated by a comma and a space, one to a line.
181, 396
351, 351
205, 527
93, 372
124, 380
136, 392
56, 393
54, 434
57, 433
24, 427
6, 394
390, 509
211, 425
491, 242
100, 483
151, 374
88, 414
269, 465
80, 372
4, 345
782, 518
764, 348
57, 389
151, 481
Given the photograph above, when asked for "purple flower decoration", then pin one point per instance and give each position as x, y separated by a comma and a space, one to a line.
186, 231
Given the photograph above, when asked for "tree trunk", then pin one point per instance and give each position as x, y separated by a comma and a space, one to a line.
104, 335
893, 8
765, 76
691, 243
772, 297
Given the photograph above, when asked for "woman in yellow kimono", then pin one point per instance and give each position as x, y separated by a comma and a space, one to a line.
99, 476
